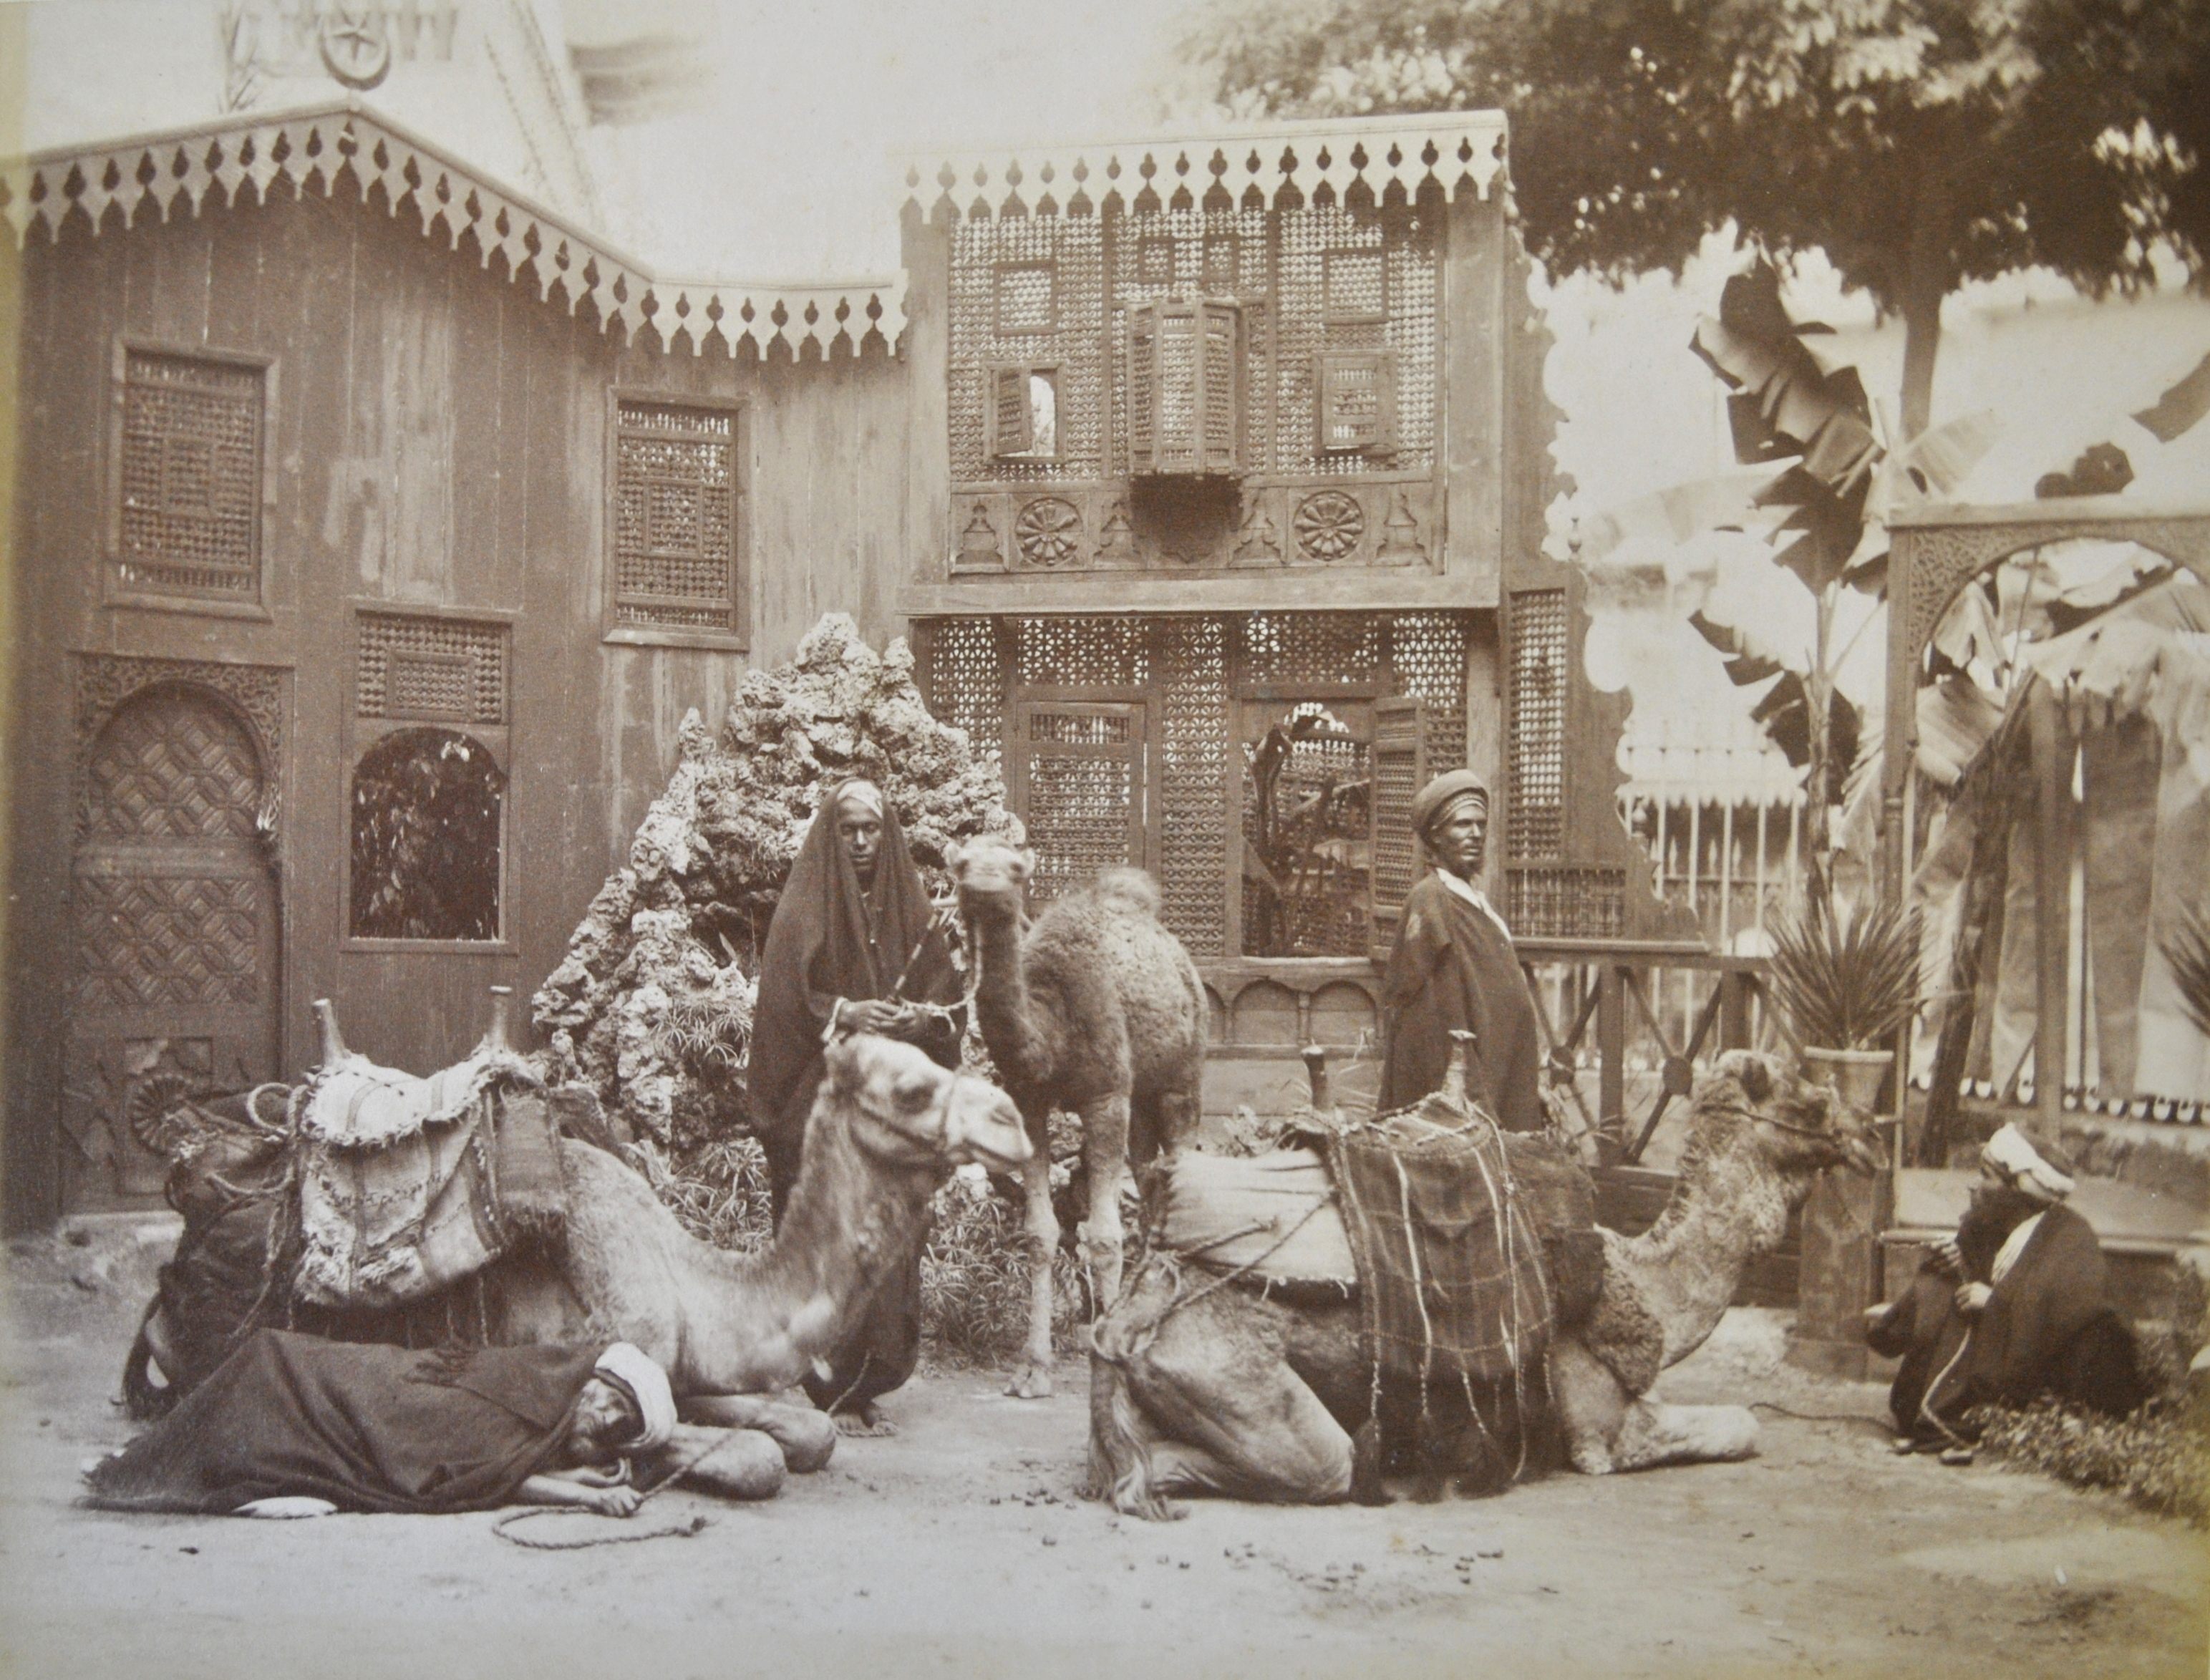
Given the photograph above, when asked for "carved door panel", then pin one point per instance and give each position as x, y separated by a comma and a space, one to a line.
1081, 783
175, 921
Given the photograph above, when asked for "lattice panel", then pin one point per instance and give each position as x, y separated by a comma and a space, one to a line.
145, 941
1193, 718
172, 767
1077, 819
1312, 647
1428, 652
1535, 826
1083, 653
1079, 729
443, 670
675, 517
967, 681
1563, 903
1396, 850
191, 518
1005, 277
1332, 262
1164, 255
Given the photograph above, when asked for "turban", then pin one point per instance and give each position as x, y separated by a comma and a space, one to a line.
864, 794
2026, 1165
1447, 790
633, 1371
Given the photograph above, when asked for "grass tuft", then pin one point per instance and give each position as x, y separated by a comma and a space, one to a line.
2158, 1458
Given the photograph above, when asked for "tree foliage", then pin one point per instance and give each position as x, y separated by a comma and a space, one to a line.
1917, 143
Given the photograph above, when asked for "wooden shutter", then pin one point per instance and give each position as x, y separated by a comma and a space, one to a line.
1183, 386
1357, 402
1400, 767
1079, 782
1009, 416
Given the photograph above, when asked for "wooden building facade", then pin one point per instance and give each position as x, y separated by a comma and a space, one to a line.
374, 529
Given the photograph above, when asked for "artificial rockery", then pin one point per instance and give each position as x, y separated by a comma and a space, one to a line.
653, 1005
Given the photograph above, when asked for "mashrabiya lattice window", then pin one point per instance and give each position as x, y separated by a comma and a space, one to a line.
189, 522
675, 525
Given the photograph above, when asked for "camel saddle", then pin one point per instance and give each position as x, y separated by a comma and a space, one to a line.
408, 1185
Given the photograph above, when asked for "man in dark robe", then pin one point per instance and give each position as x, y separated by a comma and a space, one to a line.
363, 1426
855, 947
1453, 969
2016, 1306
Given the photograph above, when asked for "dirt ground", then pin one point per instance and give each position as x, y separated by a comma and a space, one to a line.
960, 1548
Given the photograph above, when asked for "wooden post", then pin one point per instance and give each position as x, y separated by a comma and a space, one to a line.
1610, 1044
2052, 894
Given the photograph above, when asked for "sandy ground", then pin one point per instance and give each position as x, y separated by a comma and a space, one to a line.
961, 1548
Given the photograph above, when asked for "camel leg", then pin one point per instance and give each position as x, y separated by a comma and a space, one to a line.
806, 1436
1591, 1405
1207, 1405
1034, 1382
1656, 1433
734, 1463
1105, 1163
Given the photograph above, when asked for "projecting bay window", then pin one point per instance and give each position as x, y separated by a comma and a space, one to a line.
1183, 389
675, 535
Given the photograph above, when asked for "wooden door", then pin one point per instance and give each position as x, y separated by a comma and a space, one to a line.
1081, 774
174, 917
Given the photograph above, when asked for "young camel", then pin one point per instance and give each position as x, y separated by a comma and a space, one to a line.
1095, 1009
1239, 1394
887, 1127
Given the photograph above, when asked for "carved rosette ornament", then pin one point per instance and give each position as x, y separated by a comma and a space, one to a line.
1330, 525
1048, 531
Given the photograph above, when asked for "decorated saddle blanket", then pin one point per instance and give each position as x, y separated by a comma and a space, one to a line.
407, 1185
1450, 1254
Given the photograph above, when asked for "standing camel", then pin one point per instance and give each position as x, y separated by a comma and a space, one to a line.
1223, 1390
888, 1127
1095, 1008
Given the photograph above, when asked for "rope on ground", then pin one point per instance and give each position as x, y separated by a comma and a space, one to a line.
698, 1525
1818, 1416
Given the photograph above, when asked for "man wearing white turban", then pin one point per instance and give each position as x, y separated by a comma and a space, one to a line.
2017, 1306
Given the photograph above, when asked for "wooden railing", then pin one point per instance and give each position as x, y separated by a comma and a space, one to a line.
1603, 1005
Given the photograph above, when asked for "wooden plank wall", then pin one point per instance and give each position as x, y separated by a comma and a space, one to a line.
440, 437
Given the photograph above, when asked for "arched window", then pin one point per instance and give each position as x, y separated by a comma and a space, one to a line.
427, 830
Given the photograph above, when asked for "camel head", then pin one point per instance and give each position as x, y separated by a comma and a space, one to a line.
902, 1109
990, 869
1751, 1100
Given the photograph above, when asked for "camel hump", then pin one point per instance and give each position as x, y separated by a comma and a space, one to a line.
1131, 891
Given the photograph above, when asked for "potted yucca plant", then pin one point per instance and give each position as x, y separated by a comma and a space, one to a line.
1846, 981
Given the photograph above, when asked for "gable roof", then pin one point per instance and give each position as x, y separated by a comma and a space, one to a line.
316, 145
1449, 147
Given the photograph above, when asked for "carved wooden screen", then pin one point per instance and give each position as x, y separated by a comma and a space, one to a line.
676, 524
189, 477
175, 926
1184, 385
1080, 778
1400, 767
1554, 885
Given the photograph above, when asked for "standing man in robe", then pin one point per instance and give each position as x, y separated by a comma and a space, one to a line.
1453, 969
854, 948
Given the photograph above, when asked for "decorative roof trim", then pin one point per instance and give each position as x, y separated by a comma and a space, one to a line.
1448, 148
310, 145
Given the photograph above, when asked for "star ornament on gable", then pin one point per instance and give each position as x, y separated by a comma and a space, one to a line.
356, 45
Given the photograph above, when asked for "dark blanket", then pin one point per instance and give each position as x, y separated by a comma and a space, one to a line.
1456, 1306
831, 940
366, 1426
1453, 968
2049, 1328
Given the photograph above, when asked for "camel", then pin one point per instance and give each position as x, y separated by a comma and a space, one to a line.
887, 1128
1095, 1009
1238, 1394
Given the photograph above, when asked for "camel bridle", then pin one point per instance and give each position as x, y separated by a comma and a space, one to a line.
901, 1148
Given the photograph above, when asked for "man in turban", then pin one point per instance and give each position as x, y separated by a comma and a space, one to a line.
2016, 1306
293, 1425
855, 946
1453, 969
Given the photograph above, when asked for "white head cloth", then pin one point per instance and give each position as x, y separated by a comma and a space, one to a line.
2011, 1154
864, 794
634, 1368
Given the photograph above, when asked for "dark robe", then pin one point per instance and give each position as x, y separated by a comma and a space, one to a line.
830, 940
2049, 1328
1454, 968
368, 1427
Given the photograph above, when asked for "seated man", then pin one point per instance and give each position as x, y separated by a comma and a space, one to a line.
294, 1425
2016, 1306
1453, 969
